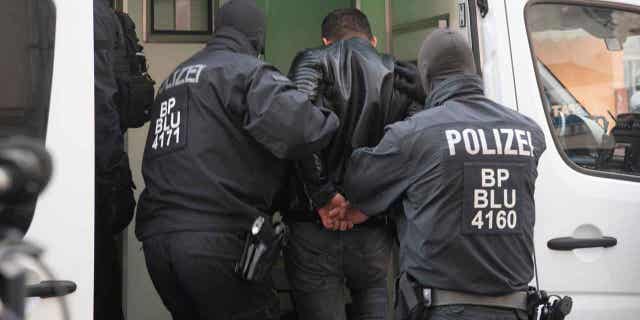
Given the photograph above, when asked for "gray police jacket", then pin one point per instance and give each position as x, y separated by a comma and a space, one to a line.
221, 126
465, 172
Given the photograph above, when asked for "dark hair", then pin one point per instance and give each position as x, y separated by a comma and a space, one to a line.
343, 23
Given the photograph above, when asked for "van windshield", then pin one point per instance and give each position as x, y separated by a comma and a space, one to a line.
588, 61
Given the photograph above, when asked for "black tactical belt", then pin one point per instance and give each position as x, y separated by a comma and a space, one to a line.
309, 218
516, 300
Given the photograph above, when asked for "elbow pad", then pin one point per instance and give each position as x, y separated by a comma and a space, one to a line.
307, 72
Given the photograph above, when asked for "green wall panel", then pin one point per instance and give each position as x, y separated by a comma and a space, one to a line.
293, 25
413, 20
407, 11
375, 11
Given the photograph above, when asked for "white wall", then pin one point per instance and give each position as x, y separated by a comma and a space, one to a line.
141, 300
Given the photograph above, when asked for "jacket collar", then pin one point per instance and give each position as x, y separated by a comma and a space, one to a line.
454, 86
230, 39
357, 40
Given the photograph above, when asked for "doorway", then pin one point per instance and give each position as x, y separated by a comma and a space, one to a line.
292, 25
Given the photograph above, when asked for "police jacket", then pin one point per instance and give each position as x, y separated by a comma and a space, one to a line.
108, 135
356, 82
115, 202
465, 171
221, 125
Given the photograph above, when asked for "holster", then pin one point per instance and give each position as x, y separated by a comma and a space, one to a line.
542, 306
410, 302
261, 249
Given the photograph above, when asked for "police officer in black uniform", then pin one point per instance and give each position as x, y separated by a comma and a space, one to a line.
465, 171
114, 201
351, 78
221, 125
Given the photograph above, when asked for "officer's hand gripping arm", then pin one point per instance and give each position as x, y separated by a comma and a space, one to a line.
408, 90
283, 119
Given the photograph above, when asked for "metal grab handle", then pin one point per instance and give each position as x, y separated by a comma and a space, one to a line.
51, 289
570, 243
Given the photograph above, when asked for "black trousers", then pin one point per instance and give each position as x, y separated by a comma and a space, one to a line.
193, 274
320, 263
107, 296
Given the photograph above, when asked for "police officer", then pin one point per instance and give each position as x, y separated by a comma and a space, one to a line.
465, 171
221, 125
349, 76
113, 190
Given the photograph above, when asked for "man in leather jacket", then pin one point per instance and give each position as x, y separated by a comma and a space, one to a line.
222, 125
352, 79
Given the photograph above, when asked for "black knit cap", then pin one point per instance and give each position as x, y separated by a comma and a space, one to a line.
444, 52
244, 16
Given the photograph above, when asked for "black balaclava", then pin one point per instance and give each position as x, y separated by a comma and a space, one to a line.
444, 53
244, 16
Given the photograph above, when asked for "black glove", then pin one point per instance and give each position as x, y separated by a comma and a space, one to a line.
407, 80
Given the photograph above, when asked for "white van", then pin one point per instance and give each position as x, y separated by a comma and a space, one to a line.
572, 65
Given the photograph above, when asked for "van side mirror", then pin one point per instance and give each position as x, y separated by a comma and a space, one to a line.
602, 122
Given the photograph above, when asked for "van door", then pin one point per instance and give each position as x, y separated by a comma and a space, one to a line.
46, 94
63, 221
576, 66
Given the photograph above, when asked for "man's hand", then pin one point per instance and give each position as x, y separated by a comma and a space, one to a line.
338, 215
352, 215
338, 205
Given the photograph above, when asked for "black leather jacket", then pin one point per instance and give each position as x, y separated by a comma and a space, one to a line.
357, 83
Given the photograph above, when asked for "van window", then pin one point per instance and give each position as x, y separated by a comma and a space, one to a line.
180, 20
27, 28
181, 15
588, 67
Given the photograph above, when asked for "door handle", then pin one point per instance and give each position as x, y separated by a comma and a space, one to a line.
51, 289
570, 243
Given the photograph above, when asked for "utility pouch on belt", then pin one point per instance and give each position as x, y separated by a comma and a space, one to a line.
542, 306
261, 249
411, 302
